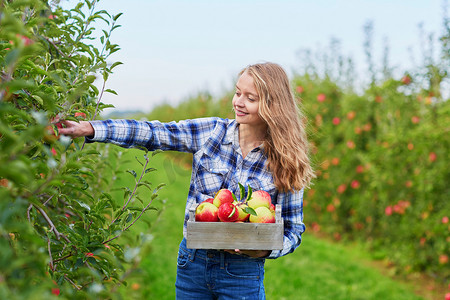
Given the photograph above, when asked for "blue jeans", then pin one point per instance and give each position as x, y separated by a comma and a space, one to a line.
212, 274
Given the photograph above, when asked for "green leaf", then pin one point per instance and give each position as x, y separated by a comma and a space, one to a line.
129, 217
90, 78
232, 212
111, 91
250, 192
242, 191
132, 172
156, 152
117, 63
250, 210
38, 99
234, 197
115, 17
149, 170
84, 205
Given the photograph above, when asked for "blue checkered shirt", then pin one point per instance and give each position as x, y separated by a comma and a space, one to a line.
217, 163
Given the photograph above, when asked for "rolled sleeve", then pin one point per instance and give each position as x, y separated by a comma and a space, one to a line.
183, 136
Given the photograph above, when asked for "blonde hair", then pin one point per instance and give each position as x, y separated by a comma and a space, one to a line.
286, 145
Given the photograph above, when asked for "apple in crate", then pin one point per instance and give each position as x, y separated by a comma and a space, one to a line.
263, 215
210, 200
259, 198
243, 216
206, 212
223, 196
228, 212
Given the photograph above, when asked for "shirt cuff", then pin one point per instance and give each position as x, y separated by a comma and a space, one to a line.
274, 254
100, 132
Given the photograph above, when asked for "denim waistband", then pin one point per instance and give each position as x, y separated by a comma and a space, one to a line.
215, 255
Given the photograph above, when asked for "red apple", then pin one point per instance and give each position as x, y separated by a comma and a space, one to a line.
406, 79
210, 200
228, 212
206, 212
223, 196
82, 115
263, 215
272, 208
55, 291
321, 97
258, 199
336, 121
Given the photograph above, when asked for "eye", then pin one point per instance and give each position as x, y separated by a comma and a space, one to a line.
251, 100
237, 93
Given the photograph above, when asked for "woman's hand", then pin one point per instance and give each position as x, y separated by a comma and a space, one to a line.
250, 253
75, 129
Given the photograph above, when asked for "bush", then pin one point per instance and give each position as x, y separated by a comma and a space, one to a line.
382, 164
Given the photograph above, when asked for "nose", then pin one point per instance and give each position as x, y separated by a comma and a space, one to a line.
239, 100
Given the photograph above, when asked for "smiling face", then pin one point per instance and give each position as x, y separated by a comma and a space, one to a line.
246, 101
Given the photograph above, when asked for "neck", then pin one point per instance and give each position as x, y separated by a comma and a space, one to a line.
251, 136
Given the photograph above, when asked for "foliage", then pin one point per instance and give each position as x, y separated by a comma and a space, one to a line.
382, 163
59, 227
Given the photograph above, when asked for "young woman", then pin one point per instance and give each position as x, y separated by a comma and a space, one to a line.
265, 146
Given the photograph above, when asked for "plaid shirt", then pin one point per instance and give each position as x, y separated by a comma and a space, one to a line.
217, 163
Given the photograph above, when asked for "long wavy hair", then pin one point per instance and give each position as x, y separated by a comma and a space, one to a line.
285, 145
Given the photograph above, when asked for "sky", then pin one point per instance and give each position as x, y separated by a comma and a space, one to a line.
173, 49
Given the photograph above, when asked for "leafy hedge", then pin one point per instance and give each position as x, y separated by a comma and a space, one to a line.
382, 159
59, 228
382, 165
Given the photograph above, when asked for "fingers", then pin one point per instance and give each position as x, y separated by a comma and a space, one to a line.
68, 128
75, 129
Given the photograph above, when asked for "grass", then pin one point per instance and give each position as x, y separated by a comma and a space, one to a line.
318, 269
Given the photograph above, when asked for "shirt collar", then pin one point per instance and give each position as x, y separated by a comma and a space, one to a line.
232, 135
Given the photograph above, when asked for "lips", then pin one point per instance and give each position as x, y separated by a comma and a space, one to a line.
240, 113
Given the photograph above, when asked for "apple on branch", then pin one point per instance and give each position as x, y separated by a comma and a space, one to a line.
81, 115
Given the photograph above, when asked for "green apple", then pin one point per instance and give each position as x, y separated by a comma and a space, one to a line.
263, 215
258, 199
243, 216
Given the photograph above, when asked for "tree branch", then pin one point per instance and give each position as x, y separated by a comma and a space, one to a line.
52, 226
52, 267
72, 283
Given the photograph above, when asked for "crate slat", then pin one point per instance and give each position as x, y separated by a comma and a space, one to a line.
244, 236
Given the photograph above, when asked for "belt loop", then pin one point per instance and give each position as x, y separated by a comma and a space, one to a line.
222, 260
192, 255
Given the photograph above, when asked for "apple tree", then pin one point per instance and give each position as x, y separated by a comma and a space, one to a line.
61, 232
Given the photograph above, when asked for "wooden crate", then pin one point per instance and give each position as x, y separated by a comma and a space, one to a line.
244, 236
